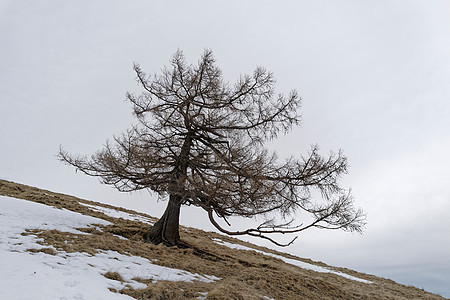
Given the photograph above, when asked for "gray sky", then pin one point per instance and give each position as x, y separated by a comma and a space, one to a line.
373, 75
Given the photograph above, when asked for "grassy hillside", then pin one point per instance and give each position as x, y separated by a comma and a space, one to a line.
243, 274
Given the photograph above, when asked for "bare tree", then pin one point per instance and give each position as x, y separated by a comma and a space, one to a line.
200, 141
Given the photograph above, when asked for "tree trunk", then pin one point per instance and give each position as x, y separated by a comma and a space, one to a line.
166, 230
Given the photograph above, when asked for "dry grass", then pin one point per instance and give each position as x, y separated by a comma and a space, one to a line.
49, 251
114, 276
245, 274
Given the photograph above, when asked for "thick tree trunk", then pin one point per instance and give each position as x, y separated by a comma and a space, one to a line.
166, 230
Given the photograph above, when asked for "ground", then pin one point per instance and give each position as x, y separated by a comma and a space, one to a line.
69, 248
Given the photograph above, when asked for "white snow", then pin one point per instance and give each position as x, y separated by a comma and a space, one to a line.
118, 214
202, 296
294, 262
26, 275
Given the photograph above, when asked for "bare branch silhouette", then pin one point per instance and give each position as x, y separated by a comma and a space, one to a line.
200, 141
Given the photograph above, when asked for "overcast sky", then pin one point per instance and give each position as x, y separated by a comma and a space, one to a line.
374, 77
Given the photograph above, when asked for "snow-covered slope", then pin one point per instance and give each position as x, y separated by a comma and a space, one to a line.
56, 246
38, 275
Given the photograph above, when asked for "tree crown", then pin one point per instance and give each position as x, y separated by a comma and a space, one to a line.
202, 139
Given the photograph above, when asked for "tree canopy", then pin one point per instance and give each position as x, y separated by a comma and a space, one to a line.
201, 141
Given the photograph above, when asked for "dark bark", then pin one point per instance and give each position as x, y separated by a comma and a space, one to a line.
166, 230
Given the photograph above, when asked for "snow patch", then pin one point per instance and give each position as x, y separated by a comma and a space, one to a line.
203, 296
291, 261
66, 275
118, 214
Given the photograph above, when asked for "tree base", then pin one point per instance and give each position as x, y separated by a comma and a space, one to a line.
166, 229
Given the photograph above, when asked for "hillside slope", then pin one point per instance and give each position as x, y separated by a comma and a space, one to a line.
88, 250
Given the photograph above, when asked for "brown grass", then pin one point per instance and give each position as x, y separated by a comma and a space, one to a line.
114, 276
49, 251
245, 274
